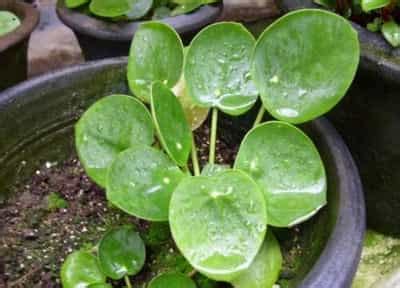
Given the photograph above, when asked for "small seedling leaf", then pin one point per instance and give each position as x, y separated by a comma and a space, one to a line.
218, 222
288, 168
110, 126
172, 280
121, 253
81, 269
173, 130
299, 75
8, 22
100, 285
217, 68
156, 54
141, 181
265, 269
369, 5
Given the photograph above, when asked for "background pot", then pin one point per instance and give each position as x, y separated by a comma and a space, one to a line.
37, 118
369, 120
377, 55
14, 46
101, 39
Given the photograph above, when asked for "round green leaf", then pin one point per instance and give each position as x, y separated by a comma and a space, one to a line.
217, 68
265, 269
108, 127
156, 54
75, 3
172, 280
304, 63
213, 169
8, 22
139, 9
173, 130
288, 168
218, 222
81, 269
110, 8
121, 253
141, 181
195, 115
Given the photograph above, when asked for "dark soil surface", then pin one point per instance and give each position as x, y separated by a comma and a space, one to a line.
60, 210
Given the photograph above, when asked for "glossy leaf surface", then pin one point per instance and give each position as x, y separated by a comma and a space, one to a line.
121, 252
265, 269
213, 169
141, 181
369, 5
218, 222
110, 8
156, 54
173, 130
391, 32
217, 68
287, 167
81, 269
8, 22
172, 280
108, 127
139, 9
299, 76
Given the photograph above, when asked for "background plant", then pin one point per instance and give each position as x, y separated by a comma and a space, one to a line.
218, 216
120, 10
377, 15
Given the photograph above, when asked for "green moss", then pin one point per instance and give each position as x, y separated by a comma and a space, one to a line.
380, 257
55, 202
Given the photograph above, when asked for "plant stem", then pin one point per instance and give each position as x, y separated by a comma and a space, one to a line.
195, 159
213, 136
127, 281
260, 116
192, 273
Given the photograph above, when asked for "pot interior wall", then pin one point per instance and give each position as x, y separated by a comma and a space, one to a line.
368, 118
38, 126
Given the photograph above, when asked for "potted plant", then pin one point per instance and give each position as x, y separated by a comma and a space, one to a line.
149, 182
102, 33
17, 23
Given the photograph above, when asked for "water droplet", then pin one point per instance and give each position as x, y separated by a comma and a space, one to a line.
179, 146
274, 79
166, 180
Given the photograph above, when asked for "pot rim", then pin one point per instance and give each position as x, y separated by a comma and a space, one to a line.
30, 19
377, 55
337, 263
123, 32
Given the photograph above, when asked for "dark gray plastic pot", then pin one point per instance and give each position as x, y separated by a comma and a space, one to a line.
369, 120
377, 55
102, 39
36, 124
14, 45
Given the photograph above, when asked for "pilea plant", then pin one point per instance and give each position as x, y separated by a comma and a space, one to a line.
376, 15
218, 215
125, 10
8, 22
